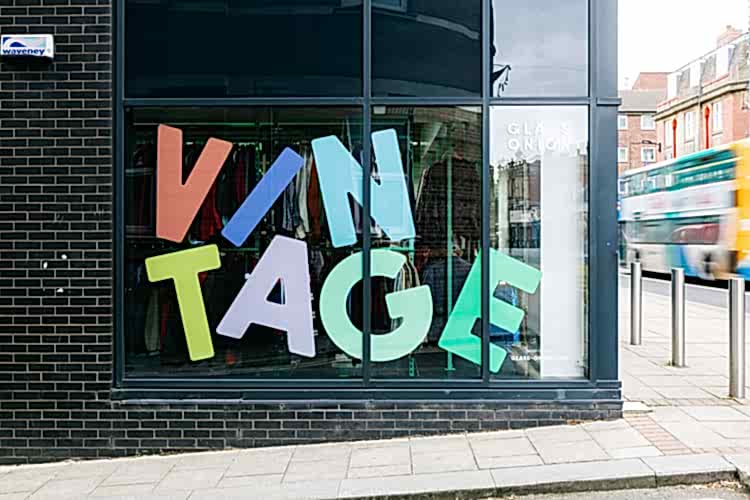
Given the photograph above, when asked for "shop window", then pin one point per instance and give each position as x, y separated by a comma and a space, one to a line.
546, 149
427, 48
539, 48
442, 158
289, 249
249, 48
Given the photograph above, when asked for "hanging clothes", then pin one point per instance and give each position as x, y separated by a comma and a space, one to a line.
465, 204
314, 203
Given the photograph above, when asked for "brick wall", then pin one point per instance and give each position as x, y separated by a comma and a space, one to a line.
651, 81
632, 139
56, 293
55, 226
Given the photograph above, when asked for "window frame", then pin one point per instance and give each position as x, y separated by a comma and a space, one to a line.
623, 158
601, 348
689, 127
622, 122
643, 154
717, 117
653, 122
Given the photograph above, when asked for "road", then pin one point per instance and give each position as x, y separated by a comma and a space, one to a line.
693, 293
727, 491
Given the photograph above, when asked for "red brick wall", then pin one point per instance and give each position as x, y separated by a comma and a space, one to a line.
651, 81
632, 139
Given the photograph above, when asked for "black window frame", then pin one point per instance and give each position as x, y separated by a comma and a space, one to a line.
601, 383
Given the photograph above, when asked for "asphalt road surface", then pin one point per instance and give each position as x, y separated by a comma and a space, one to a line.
725, 491
693, 293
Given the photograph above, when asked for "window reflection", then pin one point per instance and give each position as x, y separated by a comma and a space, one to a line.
442, 158
539, 215
539, 48
426, 48
243, 48
155, 341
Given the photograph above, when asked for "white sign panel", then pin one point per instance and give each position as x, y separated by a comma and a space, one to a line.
35, 46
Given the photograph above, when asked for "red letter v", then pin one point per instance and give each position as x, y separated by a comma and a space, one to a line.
177, 203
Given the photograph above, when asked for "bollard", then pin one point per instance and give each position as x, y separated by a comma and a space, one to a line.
678, 317
635, 303
737, 338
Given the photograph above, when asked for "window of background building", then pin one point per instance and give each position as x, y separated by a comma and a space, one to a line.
622, 155
433, 48
690, 126
539, 48
717, 117
544, 151
622, 122
647, 122
154, 338
648, 155
253, 48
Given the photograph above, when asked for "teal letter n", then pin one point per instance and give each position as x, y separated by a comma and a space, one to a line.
340, 175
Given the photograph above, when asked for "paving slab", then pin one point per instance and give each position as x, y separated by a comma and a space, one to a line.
291, 491
444, 462
250, 482
581, 451
681, 469
619, 438
66, 489
696, 436
383, 471
391, 455
715, 414
190, 479
313, 471
635, 452
630, 473
479, 483
312, 453
503, 447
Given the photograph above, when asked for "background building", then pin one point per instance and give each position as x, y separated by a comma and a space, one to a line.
637, 142
706, 103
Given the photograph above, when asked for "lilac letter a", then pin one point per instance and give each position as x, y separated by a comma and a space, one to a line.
284, 260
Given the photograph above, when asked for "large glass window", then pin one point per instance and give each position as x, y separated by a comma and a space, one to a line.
243, 48
246, 229
539, 48
427, 48
278, 269
539, 215
442, 157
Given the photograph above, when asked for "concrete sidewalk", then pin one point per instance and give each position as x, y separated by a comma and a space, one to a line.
645, 370
601, 455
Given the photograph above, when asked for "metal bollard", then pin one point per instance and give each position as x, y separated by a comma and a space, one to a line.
737, 338
678, 317
636, 298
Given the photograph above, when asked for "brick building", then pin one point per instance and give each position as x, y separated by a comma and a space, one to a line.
637, 140
706, 103
96, 351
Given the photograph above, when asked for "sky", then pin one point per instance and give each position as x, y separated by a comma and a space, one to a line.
663, 35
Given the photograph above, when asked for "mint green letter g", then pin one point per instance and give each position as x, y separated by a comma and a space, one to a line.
457, 337
414, 305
